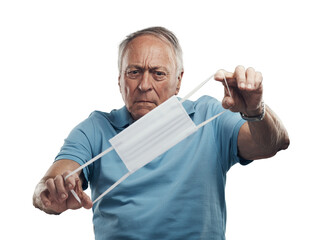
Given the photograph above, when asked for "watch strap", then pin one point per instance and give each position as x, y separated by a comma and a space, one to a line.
257, 118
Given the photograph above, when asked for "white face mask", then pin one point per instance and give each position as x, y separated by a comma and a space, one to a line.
151, 135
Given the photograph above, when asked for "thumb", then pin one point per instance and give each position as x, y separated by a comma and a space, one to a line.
228, 102
86, 201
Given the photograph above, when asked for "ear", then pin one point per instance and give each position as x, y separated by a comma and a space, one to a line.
179, 82
119, 82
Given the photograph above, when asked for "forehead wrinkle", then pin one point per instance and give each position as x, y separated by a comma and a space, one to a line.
134, 66
148, 55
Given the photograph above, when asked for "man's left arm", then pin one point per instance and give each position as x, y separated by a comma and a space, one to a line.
262, 139
256, 139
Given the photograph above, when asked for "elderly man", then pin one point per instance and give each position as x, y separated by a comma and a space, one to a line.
180, 194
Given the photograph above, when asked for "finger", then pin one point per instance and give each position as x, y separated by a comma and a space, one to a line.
60, 188
44, 199
71, 185
250, 79
73, 201
240, 76
52, 189
85, 199
70, 182
228, 102
258, 80
221, 74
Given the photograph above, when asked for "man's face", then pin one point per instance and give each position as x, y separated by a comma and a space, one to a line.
148, 76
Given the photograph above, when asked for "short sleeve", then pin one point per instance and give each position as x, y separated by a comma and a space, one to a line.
226, 130
78, 147
234, 145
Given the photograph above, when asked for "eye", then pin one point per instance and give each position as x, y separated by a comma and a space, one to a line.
135, 73
160, 75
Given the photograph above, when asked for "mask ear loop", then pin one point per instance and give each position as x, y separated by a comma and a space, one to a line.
203, 83
197, 88
85, 165
111, 148
90, 162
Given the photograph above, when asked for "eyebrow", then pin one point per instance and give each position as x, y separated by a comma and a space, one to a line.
150, 67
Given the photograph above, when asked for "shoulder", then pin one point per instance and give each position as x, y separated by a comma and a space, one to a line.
203, 108
202, 105
206, 107
118, 118
115, 115
206, 101
94, 121
93, 118
99, 116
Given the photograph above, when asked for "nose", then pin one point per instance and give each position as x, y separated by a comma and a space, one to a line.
146, 82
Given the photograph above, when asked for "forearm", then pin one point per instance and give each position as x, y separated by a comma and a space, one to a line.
264, 138
259, 137
60, 167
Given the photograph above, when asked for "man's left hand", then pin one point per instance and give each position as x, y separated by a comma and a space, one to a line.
246, 89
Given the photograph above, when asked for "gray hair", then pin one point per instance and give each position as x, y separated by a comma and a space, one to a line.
159, 32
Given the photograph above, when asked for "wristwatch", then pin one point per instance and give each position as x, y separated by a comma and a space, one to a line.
257, 118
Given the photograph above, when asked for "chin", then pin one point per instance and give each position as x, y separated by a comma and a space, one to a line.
141, 112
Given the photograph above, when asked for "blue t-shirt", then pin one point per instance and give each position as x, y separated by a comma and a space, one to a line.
179, 195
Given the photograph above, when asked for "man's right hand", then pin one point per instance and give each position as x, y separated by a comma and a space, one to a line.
52, 194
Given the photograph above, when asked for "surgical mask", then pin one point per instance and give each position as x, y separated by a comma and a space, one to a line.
151, 135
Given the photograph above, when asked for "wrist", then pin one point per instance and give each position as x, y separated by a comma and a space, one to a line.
256, 115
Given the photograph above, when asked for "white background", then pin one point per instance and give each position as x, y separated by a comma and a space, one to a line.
58, 63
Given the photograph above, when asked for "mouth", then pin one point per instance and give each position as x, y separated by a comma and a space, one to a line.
145, 102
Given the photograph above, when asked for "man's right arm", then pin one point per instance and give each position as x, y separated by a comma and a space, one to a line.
52, 194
